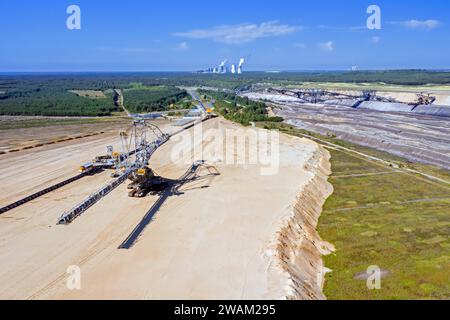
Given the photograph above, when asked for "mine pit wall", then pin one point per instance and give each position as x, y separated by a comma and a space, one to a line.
441, 108
409, 152
300, 248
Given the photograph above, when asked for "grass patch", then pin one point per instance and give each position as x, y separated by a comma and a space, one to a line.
396, 222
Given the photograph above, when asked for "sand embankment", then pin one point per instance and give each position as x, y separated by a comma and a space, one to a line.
237, 235
300, 248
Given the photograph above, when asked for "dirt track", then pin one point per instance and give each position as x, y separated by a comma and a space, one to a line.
216, 240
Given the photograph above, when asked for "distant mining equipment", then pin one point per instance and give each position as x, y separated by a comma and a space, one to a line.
423, 99
118, 98
319, 96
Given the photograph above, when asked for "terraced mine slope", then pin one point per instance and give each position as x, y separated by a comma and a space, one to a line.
417, 138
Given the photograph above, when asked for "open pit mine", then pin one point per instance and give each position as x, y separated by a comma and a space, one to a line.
411, 125
141, 213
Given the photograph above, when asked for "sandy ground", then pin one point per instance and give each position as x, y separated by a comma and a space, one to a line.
218, 239
24, 137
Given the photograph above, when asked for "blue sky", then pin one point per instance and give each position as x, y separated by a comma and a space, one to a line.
145, 35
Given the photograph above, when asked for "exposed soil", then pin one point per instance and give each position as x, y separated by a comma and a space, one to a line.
237, 235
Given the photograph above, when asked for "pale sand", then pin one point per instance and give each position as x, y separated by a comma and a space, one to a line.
245, 236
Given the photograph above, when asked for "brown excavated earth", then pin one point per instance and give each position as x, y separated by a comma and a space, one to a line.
237, 235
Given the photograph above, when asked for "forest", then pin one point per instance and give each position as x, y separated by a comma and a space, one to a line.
53, 102
239, 109
151, 99
53, 94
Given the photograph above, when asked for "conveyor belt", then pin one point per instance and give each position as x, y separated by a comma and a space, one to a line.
79, 209
51, 189
41, 193
71, 215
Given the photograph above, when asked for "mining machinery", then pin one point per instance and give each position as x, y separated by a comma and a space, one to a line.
137, 147
423, 99
144, 182
147, 139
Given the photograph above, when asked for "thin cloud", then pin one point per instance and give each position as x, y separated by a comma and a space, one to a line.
375, 39
241, 33
358, 28
327, 46
183, 46
345, 29
418, 24
299, 45
126, 50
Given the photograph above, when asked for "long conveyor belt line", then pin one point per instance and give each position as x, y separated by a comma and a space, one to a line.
71, 215
51, 189
91, 201
41, 193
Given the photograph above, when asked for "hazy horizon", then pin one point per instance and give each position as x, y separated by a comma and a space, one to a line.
3, 73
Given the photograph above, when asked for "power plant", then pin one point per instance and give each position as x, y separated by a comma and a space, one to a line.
224, 68
241, 63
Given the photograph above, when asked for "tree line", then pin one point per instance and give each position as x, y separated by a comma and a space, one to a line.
240, 109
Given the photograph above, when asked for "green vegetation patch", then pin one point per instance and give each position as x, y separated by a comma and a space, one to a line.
85, 95
396, 222
141, 99
53, 102
239, 109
